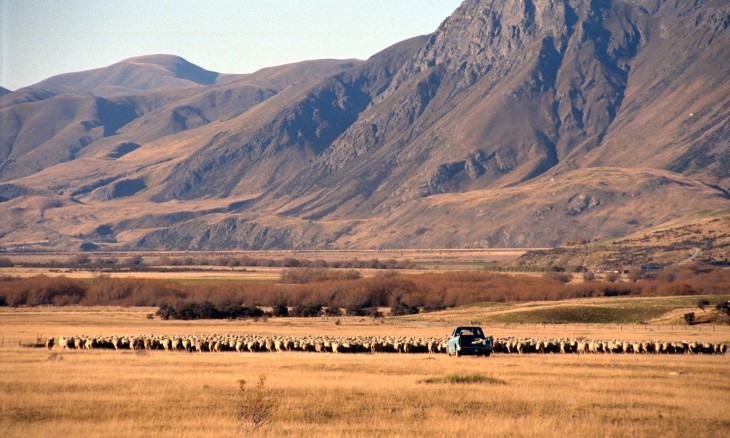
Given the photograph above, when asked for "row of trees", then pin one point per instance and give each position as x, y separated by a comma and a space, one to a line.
402, 293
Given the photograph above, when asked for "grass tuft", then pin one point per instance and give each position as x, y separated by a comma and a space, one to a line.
465, 379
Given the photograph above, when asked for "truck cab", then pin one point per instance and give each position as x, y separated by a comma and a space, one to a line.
469, 340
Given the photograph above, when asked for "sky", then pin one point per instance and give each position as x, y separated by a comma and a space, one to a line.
43, 38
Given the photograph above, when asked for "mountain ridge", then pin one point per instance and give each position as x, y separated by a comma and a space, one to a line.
513, 124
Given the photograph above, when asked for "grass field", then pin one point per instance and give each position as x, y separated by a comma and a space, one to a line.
614, 310
157, 393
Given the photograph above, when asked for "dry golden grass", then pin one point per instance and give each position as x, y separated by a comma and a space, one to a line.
108, 393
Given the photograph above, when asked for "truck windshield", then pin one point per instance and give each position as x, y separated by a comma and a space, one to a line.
472, 331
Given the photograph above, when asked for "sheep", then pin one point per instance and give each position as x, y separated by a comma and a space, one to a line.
254, 343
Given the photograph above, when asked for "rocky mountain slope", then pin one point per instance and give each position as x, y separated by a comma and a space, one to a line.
525, 123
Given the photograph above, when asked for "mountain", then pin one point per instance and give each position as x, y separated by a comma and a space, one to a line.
526, 123
134, 75
59, 120
4, 91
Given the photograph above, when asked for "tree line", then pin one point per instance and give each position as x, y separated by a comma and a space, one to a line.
353, 294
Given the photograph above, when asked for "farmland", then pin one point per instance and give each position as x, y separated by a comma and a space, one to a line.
127, 393
98, 392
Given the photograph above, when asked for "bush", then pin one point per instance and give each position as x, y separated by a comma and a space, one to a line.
280, 310
723, 307
257, 406
332, 311
616, 290
689, 318
373, 312
399, 308
702, 303
206, 310
307, 311
356, 311
165, 312
241, 312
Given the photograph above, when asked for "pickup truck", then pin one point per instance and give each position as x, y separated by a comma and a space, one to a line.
469, 340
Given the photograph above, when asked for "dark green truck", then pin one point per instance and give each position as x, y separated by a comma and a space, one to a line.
471, 341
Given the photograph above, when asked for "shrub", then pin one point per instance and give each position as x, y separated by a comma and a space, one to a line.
307, 311
616, 290
399, 308
373, 312
723, 307
239, 312
702, 303
589, 276
165, 312
332, 311
256, 406
689, 318
356, 311
280, 309
206, 310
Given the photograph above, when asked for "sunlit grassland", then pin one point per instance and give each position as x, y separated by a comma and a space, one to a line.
612, 310
158, 393
180, 394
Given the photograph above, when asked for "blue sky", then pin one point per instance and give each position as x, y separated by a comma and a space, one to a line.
40, 39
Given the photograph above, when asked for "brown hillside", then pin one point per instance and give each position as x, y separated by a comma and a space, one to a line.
518, 124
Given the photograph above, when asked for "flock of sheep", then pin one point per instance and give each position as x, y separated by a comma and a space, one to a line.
370, 344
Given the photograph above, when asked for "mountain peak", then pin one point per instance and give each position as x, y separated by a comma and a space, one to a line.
162, 59
176, 66
132, 76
